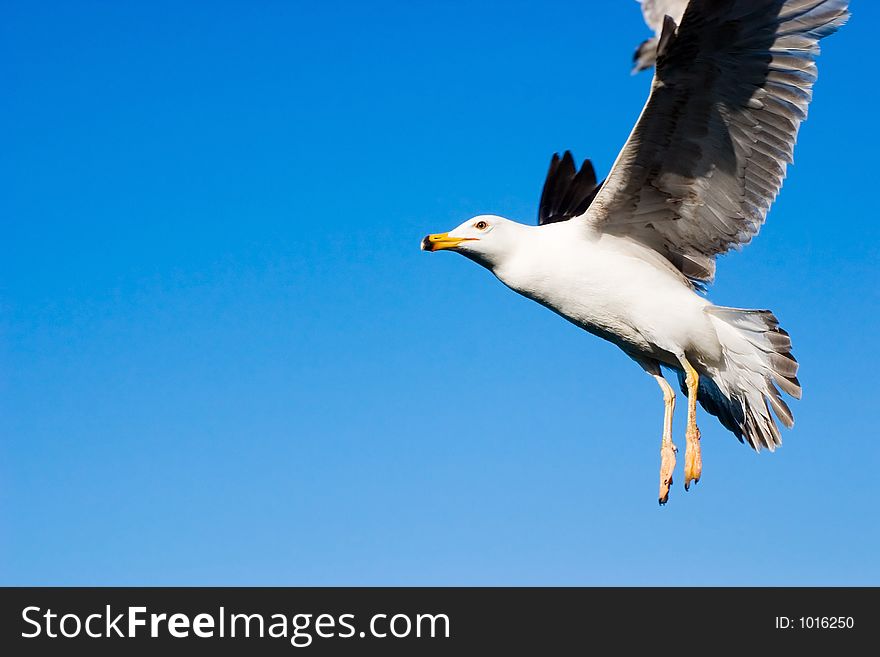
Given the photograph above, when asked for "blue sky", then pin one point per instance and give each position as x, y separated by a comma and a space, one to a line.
224, 360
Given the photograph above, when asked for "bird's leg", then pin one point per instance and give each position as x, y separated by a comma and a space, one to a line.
693, 461
667, 448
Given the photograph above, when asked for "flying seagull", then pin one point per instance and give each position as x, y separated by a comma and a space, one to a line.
627, 259
653, 12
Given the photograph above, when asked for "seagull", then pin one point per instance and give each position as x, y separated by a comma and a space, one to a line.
628, 260
653, 12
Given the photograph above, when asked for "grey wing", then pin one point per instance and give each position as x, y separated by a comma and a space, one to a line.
708, 154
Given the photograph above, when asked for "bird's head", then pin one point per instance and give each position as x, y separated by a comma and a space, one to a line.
486, 239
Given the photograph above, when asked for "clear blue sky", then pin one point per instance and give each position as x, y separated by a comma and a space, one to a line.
224, 360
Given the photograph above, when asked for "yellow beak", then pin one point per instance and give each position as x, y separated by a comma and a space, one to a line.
440, 241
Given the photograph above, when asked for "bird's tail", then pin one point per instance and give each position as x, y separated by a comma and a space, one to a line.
757, 359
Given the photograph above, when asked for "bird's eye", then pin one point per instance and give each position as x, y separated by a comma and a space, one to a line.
481, 225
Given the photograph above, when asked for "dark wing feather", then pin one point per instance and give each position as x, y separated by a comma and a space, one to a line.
708, 154
567, 192
653, 12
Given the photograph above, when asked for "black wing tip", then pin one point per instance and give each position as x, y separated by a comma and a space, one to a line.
568, 190
587, 165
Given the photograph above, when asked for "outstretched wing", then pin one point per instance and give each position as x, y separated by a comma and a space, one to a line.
708, 154
567, 192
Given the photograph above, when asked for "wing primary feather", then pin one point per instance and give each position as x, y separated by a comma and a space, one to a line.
568, 191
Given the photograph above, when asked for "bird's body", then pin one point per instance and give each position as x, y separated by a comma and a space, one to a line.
598, 284
626, 259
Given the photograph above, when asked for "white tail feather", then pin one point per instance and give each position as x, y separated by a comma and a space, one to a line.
757, 358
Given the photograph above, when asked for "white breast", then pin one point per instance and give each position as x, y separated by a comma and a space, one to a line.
610, 286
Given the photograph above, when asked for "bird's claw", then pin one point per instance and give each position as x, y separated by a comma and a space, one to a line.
664, 491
